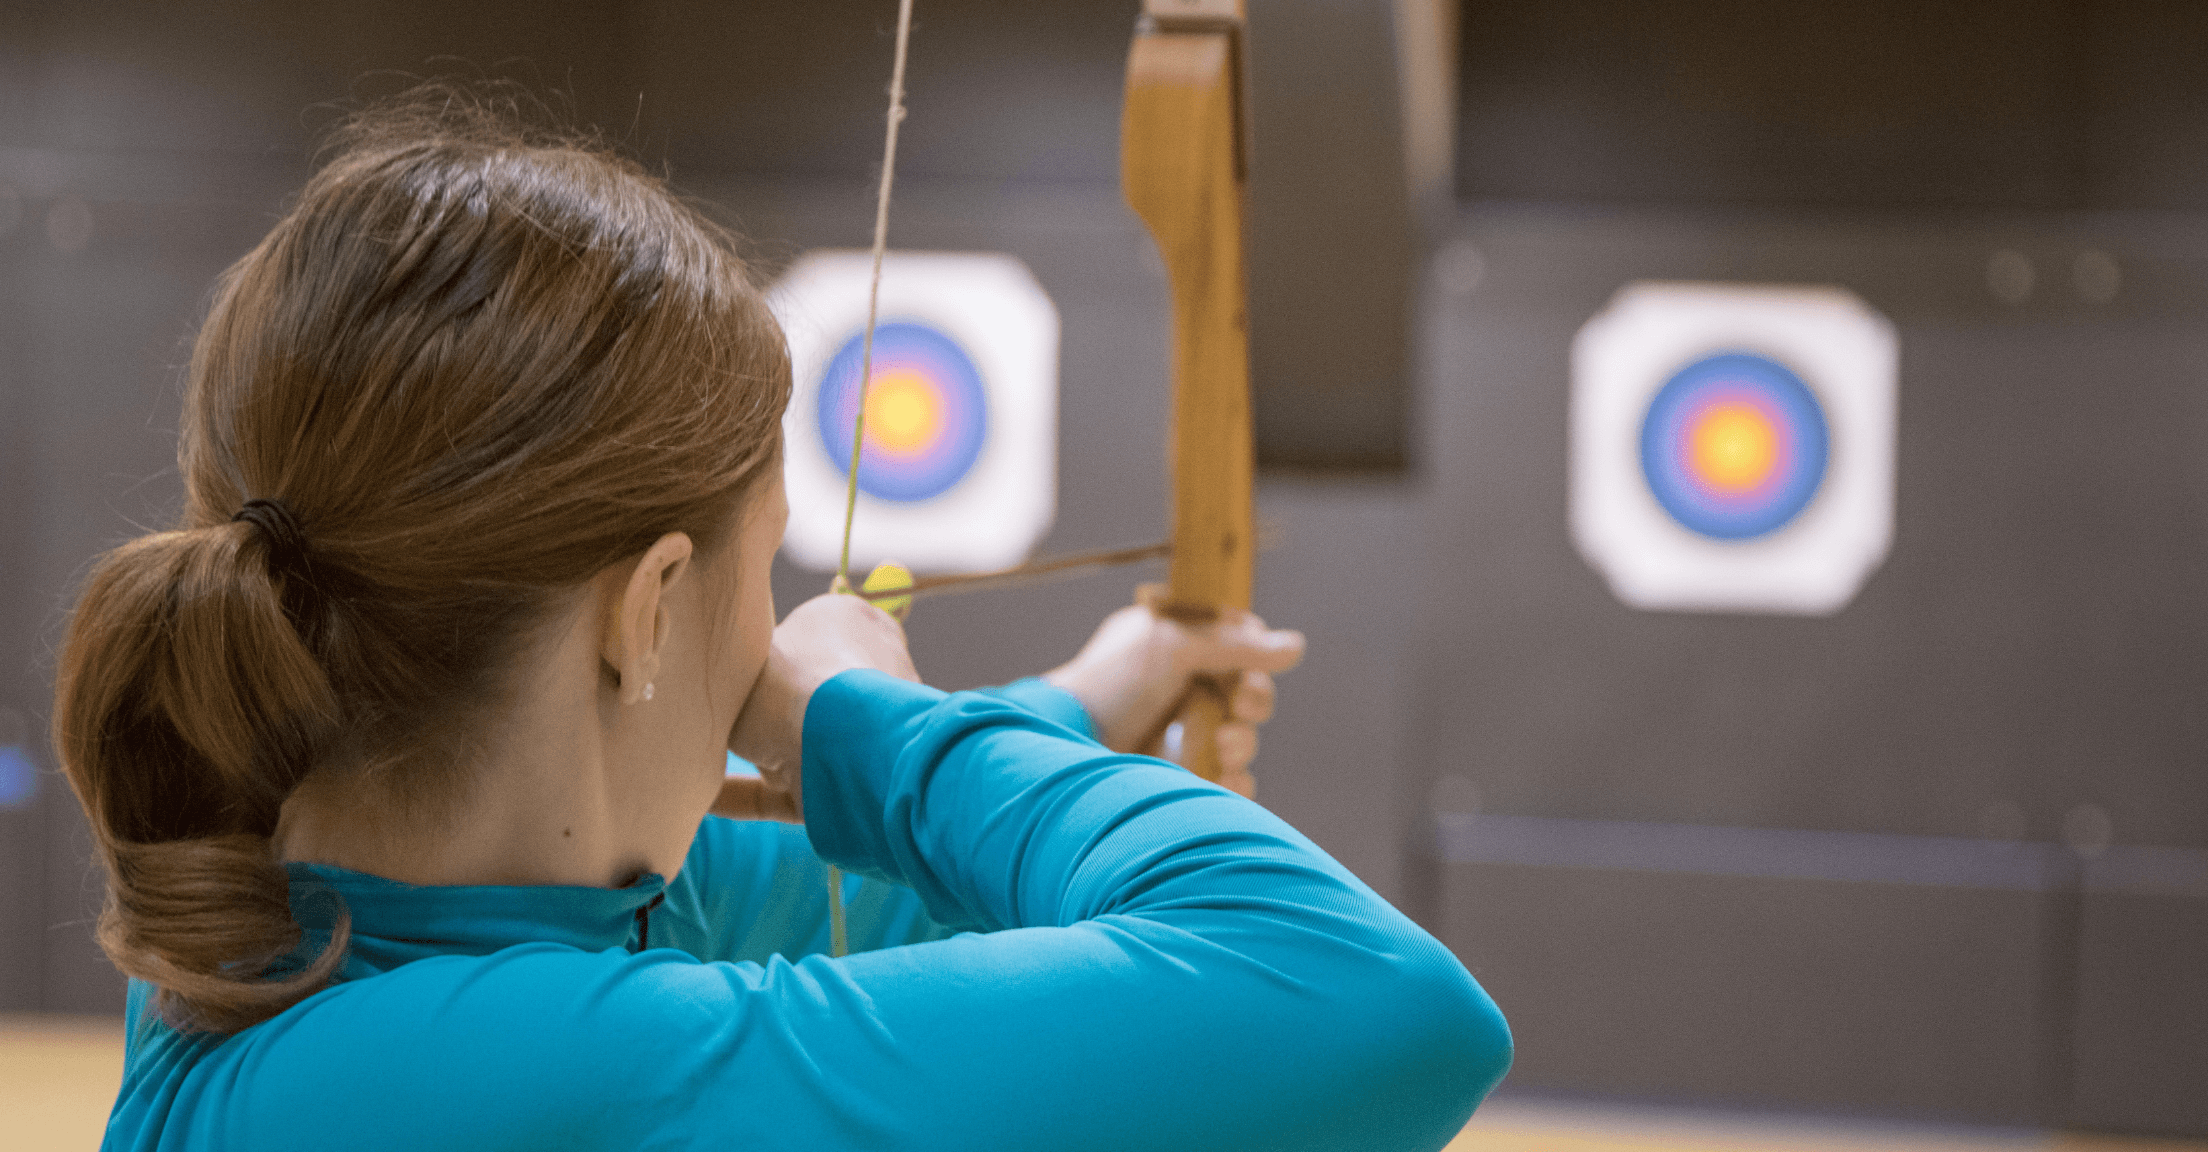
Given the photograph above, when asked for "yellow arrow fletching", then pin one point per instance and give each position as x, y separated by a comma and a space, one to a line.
889, 576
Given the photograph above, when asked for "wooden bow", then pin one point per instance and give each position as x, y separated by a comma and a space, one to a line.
1183, 165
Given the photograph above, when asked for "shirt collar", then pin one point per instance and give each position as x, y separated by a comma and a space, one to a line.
394, 923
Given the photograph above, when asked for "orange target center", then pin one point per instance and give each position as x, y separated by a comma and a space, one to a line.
1734, 447
904, 413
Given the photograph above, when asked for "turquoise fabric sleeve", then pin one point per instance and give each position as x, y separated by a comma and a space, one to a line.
1168, 967
1053, 704
750, 890
753, 889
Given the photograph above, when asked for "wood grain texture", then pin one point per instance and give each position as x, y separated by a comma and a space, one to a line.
1181, 165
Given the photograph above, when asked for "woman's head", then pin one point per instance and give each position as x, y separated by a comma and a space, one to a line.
473, 369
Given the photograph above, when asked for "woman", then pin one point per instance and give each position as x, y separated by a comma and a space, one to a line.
400, 752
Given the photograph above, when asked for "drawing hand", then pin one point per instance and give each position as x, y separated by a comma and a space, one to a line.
822, 637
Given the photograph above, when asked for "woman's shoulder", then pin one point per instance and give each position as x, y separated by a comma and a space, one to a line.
529, 1034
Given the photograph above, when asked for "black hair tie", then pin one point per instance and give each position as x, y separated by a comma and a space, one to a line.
287, 557
287, 542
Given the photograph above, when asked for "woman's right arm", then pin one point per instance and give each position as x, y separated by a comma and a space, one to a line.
1169, 967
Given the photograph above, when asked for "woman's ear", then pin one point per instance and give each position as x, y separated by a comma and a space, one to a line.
636, 626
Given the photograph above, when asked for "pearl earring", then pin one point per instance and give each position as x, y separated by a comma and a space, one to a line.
647, 690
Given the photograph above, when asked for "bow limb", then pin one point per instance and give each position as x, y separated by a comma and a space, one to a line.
1182, 165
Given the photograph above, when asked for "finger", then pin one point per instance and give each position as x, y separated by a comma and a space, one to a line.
738, 799
847, 631
1252, 700
1242, 644
847, 605
1240, 782
1237, 745
1168, 744
750, 798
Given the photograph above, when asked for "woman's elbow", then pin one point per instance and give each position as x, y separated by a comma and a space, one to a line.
1451, 1036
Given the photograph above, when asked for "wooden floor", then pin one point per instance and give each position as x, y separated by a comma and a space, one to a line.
1514, 1126
58, 1076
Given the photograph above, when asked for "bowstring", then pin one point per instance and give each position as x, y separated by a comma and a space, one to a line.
838, 926
874, 284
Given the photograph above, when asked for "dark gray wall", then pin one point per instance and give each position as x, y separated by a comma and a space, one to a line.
98, 335
22, 900
1946, 852
1914, 1000
1899, 103
2035, 633
2029, 658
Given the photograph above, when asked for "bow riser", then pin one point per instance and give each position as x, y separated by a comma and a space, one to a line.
1182, 167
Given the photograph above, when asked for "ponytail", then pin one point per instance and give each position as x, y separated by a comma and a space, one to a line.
189, 707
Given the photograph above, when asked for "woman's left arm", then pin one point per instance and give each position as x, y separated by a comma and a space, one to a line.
752, 887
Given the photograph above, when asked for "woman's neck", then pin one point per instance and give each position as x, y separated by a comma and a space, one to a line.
541, 805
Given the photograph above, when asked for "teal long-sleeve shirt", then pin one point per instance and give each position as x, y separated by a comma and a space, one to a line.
1142, 960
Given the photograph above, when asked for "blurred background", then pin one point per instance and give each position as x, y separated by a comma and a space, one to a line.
1940, 857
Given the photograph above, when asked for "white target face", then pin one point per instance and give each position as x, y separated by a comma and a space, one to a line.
958, 468
1733, 446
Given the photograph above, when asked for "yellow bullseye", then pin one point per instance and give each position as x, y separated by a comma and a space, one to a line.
904, 413
1733, 447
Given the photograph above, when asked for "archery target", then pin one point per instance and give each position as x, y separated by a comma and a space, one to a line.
1733, 445
957, 470
927, 415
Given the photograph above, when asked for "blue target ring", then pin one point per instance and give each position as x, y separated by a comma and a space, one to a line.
927, 413
1734, 446
18, 777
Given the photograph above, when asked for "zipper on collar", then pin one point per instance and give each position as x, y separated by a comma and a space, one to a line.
644, 923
